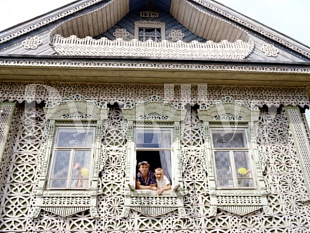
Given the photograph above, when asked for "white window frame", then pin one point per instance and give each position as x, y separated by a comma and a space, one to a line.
173, 170
69, 201
230, 116
154, 115
71, 159
231, 151
150, 25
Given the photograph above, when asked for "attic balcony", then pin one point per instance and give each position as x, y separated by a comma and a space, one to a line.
150, 49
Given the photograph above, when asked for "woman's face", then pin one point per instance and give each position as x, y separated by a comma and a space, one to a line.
144, 169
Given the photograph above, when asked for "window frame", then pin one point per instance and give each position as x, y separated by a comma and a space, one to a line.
231, 151
51, 166
65, 202
157, 127
228, 114
148, 202
150, 25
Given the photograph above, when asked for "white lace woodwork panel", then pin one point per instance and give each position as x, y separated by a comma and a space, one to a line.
302, 144
150, 44
6, 114
22, 169
278, 156
130, 95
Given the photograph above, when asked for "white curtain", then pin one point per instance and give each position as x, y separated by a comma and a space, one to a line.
165, 155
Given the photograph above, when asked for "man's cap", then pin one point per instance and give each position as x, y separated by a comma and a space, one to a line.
143, 162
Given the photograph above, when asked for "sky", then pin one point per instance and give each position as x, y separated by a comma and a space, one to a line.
290, 17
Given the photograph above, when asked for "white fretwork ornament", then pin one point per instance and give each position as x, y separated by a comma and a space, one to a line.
32, 42
176, 35
121, 33
270, 50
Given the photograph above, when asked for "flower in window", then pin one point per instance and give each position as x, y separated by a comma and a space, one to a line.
243, 171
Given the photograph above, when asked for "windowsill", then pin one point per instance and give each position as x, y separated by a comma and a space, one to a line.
67, 192
153, 193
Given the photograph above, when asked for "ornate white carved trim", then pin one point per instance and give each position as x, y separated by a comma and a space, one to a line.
240, 210
42, 22
65, 211
302, 144
155, 65
176, 35
6, 115
154, 211
32, 42
153, 116
228, 117
270, 50
145, 23
149, 14
104, 47
263, 32
121, 33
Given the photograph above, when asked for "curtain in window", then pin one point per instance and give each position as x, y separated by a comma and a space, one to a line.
165, 155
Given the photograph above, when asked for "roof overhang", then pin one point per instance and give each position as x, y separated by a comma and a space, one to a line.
147, 71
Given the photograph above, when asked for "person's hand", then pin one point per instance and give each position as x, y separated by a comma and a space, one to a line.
153, 188
160, 191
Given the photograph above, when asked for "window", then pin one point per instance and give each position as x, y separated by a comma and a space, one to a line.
149, 30
231, 159
154, 135
68, 183
235, 174
154, 145
149, 34
72, 158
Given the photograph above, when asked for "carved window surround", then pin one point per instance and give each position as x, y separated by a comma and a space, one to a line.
240, 201
145, 201
150, 24
165, 49
6, 115
302, 144
66, 202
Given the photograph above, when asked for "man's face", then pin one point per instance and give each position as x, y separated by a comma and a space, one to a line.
159, 175
144, 169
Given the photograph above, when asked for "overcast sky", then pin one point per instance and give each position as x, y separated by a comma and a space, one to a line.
290, 17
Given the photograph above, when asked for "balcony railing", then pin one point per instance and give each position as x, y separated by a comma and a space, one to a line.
165, 49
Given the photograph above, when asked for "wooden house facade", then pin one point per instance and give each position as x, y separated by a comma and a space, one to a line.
91, 89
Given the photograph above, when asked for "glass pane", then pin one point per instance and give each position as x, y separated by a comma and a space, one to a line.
150, 34
60, 169
229, 140
243, 169
81, 169
150, 138
74, 137
223, 169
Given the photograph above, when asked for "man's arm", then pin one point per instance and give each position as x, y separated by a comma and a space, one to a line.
149, 187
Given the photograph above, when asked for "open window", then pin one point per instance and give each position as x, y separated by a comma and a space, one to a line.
154, 136
235, 178
155, 146
68, 183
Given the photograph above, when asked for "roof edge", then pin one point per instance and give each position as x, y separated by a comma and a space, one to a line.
255, 26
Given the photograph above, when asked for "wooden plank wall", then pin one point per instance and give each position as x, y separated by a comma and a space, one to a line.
95, 22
